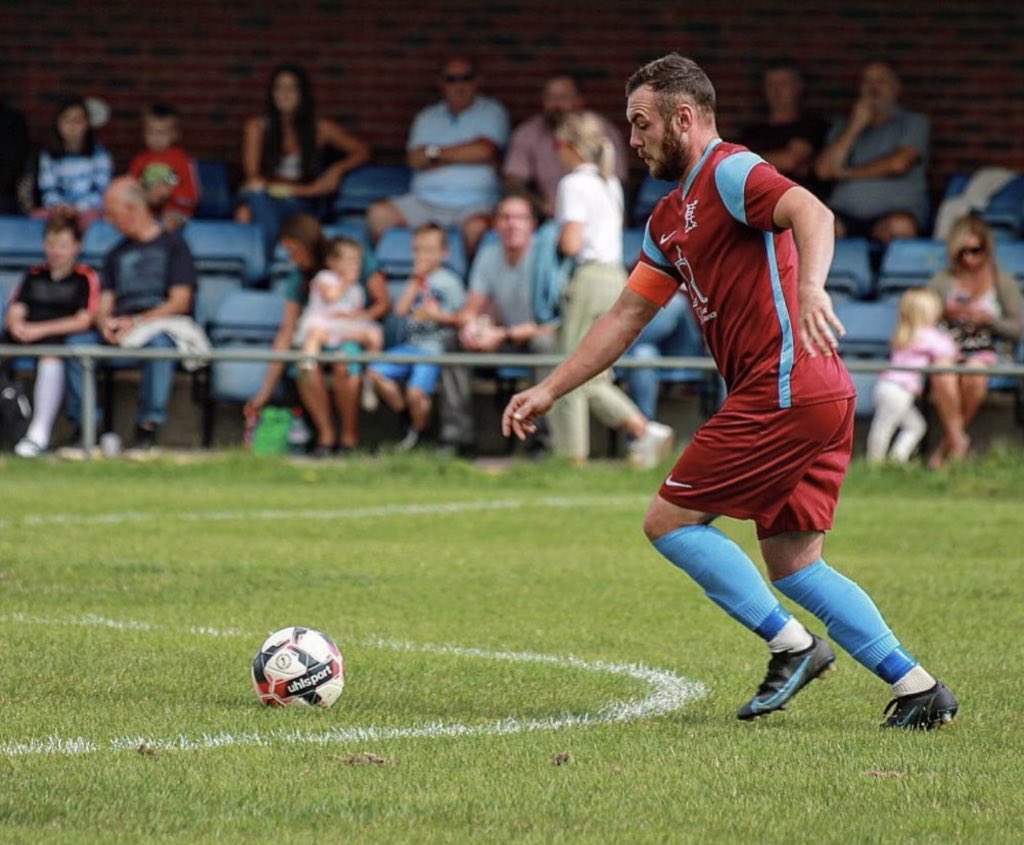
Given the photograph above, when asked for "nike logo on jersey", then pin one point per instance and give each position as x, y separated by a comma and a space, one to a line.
664, 238
671, 482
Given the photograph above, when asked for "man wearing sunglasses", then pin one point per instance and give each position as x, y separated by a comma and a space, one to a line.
454, 149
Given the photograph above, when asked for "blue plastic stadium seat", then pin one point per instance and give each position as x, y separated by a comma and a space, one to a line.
21, 247
1004, 211
869, 325
242, 319
222, 247
850, 274
1010, 256
215, 201
650, 191
99, 239
369, 183
210, 292
910, 263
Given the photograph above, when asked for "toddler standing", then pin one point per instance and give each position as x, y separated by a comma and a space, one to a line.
917, 342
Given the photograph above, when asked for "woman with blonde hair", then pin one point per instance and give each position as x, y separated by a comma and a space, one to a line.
917, 342
982, 310
589, 209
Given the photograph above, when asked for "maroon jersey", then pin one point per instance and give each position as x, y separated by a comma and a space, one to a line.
714, 238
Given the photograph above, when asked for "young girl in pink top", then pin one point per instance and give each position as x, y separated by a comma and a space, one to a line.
917, 342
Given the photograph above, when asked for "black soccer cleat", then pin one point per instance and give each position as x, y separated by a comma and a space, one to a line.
788, 673
922, 711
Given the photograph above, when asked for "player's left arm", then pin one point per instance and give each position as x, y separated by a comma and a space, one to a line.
813, 228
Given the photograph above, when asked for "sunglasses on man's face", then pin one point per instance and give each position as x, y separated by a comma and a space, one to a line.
453, 78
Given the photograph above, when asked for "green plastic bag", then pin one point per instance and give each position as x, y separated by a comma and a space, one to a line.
271, 434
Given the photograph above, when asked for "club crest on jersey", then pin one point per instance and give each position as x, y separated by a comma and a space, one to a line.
690, 216
698, 300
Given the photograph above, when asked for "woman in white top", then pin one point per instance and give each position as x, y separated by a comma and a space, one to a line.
589, 210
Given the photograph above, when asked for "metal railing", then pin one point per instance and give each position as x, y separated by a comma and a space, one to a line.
92, 355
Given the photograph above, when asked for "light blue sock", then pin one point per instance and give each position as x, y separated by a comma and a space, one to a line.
728, 576
851, 617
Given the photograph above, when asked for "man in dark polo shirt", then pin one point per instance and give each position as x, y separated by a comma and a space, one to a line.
148, 275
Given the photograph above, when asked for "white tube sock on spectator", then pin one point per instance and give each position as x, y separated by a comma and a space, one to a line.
46, 398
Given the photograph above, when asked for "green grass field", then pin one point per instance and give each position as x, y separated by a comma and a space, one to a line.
493, 626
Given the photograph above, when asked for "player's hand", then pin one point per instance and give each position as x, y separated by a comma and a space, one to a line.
523, 409
820, 328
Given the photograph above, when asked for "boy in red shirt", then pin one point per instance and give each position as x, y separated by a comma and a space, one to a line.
164, 169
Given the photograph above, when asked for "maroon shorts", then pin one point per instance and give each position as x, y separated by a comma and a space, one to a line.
782, 469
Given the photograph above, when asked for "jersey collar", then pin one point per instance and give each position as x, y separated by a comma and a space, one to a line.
693, 173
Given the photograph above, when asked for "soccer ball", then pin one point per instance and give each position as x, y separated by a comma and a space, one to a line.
298, 666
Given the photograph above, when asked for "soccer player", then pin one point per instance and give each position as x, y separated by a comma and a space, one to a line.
751, 250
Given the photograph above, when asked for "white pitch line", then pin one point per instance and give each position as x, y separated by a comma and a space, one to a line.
669, 692
413, 509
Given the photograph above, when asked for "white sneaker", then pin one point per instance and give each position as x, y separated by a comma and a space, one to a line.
653, 447
408, 443
370, 400
26, 448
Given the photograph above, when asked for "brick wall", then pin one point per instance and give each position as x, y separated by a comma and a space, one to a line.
372, 64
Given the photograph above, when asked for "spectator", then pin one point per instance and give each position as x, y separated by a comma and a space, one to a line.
54, 300
982, 308
148, 276
533, 163
589, 210
303, 240
284, 152
790, 138
917, 342
498, 315
877, 158
75, 169
454, 149
164, 169
337, 301
430, 302
13, 157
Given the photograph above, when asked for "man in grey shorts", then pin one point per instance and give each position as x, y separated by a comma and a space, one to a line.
454, 148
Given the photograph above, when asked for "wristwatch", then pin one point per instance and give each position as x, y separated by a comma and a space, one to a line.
432, 152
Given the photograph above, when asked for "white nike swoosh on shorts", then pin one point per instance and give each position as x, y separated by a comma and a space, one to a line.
671, 482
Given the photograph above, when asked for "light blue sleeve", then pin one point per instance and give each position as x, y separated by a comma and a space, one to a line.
731, 181
419, 133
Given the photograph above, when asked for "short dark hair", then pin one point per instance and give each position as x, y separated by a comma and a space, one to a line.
426, 228
784, 63
64, 220
337, 244
161, 111
471, 60
525, 196
674, 77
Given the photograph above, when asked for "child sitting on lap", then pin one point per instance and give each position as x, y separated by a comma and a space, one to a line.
336, 304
